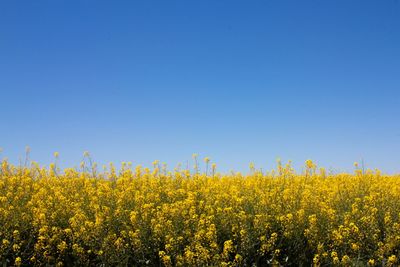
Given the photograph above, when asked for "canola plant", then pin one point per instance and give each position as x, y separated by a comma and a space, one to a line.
154, 217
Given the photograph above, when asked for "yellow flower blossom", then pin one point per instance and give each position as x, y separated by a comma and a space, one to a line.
18, 261
143, 217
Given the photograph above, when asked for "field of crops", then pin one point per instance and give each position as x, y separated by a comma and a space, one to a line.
153, 217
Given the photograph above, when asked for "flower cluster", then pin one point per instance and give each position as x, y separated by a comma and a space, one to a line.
141, 216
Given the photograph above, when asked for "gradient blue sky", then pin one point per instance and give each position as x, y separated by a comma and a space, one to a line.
238, 81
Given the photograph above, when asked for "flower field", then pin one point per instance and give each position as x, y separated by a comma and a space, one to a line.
153, 217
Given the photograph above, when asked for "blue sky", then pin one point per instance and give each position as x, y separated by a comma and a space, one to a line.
238, 81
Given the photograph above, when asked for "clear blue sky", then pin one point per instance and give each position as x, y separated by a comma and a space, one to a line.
238, 81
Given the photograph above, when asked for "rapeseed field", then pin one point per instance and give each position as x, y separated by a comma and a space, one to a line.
138, 216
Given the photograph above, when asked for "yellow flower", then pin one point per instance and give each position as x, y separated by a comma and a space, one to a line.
392, 259
335, 260
316, 259
5, 242
238, 258
16, 247
252, 166
354, 247
345, 259
62, 246
309, 164
198, 219
16, 234
18, 261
